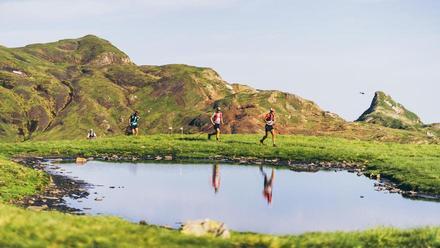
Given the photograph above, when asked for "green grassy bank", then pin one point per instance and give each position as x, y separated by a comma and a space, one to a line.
22, 228
413, 166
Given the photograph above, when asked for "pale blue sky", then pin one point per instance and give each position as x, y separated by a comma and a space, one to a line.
326, 51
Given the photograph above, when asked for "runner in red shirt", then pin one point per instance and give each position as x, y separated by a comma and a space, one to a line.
216, 120
270, 122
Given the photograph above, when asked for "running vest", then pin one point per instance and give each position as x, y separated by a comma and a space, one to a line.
270, 119
217, 116
134, 120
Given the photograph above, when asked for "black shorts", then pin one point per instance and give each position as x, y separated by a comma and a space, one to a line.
216, 126
268, 128
133, 126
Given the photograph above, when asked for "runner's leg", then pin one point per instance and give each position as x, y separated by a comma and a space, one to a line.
273, 136
264, 137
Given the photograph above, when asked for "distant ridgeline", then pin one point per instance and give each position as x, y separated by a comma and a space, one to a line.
60, 90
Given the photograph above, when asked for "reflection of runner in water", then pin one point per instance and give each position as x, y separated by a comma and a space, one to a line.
267, 191
216, 177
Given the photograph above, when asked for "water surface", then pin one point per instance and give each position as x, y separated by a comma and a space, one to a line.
246, 198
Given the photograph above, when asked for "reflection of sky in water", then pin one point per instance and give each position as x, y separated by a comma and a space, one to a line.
165, 194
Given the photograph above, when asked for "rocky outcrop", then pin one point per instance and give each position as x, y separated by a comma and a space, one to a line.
109, 58
385, 111
435, 126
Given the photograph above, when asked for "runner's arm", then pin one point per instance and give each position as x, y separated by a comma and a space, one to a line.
212, 118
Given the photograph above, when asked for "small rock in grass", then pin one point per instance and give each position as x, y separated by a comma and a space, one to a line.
206, 228
143, 222
38, 208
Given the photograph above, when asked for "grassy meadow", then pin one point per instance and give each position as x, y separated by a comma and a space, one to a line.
412, 166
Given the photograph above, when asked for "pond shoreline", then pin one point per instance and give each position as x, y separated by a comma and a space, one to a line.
60, 186
51, 198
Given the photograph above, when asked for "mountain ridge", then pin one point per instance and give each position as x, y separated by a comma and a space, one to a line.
61, 89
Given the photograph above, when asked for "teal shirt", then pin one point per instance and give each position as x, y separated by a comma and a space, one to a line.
134, 120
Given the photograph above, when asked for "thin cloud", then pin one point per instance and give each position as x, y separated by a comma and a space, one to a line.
46, 9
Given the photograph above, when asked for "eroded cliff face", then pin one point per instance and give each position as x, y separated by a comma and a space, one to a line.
109, 58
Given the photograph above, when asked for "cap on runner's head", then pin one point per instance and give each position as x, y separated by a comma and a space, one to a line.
218, 109
272, 110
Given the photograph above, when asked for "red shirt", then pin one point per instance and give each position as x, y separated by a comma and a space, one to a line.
270, 118
217, 117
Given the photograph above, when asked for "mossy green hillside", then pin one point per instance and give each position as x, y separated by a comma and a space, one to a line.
61, 89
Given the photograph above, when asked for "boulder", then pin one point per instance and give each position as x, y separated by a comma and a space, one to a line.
205, 228
80, 160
